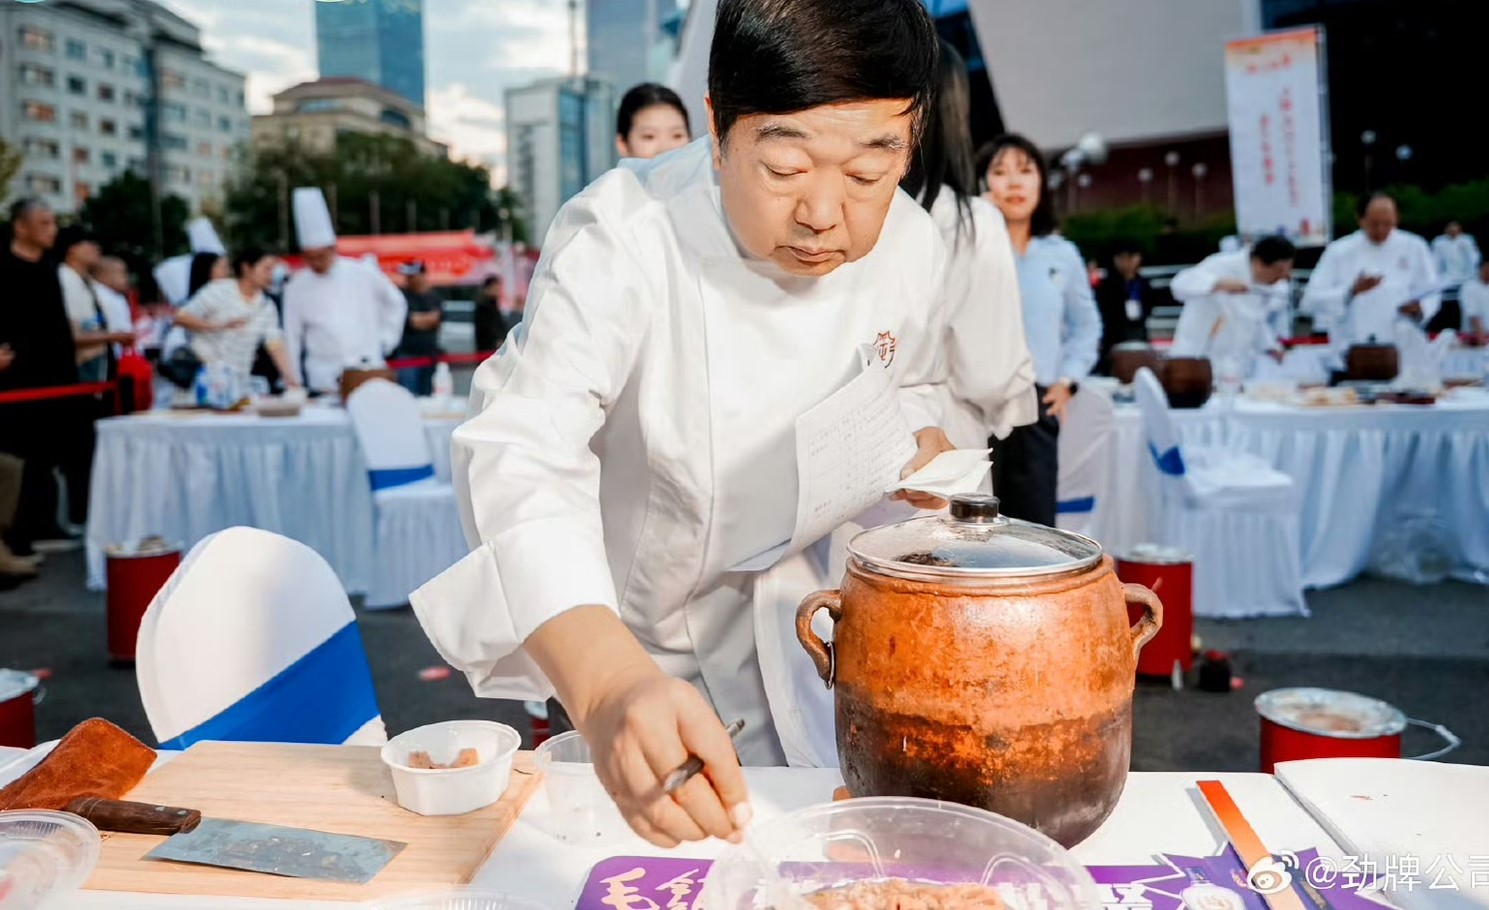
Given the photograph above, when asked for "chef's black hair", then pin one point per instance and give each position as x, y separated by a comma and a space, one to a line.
1363, 205
643, 96
946, 147
248, 257
201, 272
784, 56
1043, 221
1273, 249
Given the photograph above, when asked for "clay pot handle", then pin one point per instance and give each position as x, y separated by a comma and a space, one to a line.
820, 651
1152, 620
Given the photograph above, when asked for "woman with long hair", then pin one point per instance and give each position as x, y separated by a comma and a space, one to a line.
651, 121
205, 269
1061, 320
990, 373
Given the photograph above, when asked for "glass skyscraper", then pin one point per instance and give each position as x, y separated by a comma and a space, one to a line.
380, 41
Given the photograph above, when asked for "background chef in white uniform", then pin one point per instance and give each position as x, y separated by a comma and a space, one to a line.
1236, 305
338, 312
1457, 255
1367, 281
635, 438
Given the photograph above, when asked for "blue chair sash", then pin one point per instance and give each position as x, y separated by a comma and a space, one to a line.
322, 698
1170, 462
1076, 506
386, 478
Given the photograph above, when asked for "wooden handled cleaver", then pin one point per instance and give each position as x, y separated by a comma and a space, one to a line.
92, 767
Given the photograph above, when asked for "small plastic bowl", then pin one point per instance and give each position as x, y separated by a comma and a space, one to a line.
44, 855
454, 899
869, 841
452, 791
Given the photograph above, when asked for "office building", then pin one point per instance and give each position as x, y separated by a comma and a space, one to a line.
90, 89
312, 115
377, 41
631, 41
560, 137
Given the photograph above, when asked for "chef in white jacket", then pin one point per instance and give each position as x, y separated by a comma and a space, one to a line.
1457, 255
1235, 304
634, 441
338, 312
1368, 281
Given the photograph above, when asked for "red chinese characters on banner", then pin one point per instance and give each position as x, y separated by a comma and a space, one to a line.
1269, 164
1290, 145
1275, 64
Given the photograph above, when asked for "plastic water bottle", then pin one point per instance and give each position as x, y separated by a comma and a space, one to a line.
444, 383
201, 388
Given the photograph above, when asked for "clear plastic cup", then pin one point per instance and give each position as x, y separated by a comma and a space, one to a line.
579, 809
44, 855
872, 842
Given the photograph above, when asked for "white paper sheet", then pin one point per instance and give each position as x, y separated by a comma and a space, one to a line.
950, 473
849, 450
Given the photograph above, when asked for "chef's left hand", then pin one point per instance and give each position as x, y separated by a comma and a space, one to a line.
1058, 400
1412, 310
930, 442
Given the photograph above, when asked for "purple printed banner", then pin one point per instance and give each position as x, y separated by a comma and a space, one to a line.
1174, 883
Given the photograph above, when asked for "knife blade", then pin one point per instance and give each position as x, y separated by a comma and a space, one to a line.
276, 850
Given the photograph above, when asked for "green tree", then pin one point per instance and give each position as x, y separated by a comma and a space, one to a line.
122, 213
374, 185
10, 165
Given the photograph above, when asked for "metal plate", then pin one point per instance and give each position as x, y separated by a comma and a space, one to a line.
290, 852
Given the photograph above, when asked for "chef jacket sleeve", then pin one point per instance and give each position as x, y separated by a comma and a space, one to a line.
526, 480
1081, 347
990, 366
392, 310
1424, 275
294, 329
923, 379
1196, 325
1195, 281
1328, 289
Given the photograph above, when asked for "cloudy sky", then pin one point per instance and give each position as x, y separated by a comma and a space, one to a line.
474, 51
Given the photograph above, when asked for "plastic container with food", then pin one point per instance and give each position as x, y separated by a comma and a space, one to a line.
452, 768
44, 855
887, 852
454, 899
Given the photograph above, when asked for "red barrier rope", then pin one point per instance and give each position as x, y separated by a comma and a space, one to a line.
52, 392
411, 363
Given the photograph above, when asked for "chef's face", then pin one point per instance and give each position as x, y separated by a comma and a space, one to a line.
810, 191
321, 260
655, 130
1379, 221
1266, 275
1453, 229
1013, 184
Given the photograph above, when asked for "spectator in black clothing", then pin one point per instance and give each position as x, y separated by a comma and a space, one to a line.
36, 333
491, 324
420, 329
1126, 300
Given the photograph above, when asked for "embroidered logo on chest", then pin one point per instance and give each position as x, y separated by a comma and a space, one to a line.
884, 346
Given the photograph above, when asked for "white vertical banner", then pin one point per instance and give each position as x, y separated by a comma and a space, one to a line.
1278, 138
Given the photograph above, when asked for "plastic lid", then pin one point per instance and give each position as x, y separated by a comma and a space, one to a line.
44, 855
1328, 712
1152, 554
973, 541
15, 683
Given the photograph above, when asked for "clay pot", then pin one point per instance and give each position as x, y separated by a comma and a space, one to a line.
352, 377
1372, 362
984, 661
1187, 381
1131, 356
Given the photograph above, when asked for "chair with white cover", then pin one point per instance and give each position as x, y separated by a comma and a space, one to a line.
417, 534
252, 639
1085, 441
1235, 514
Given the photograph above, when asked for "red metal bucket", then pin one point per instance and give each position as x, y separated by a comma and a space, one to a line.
1300, 724
135, 575
20, 693
1169, 573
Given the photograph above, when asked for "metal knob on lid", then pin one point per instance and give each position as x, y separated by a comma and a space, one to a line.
976, 508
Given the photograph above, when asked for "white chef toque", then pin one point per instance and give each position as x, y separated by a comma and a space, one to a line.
203, 237
313, 219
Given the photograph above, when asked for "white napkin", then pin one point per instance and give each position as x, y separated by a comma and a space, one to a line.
950, 473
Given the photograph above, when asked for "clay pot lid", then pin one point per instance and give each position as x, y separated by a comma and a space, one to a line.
1329, 712
973, 541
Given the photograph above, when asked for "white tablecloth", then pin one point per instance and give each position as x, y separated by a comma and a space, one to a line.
187, 474
1358, 470
1157, 813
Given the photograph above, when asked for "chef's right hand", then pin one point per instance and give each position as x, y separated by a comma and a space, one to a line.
1231, 286
7, 356
640, 732
1366, 283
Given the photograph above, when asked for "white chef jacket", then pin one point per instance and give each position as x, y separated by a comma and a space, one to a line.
1406, 265
350, 316
1457, 258
987, 354
634, 438
1474, 299
1220, 325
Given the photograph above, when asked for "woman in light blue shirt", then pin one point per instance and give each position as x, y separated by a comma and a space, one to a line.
1061, 322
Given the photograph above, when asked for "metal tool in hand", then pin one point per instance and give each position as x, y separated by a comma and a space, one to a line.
690, 768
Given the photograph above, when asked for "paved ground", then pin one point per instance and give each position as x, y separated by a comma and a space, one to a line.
1425, 650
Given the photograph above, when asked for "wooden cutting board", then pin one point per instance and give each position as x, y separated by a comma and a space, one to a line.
336, 789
